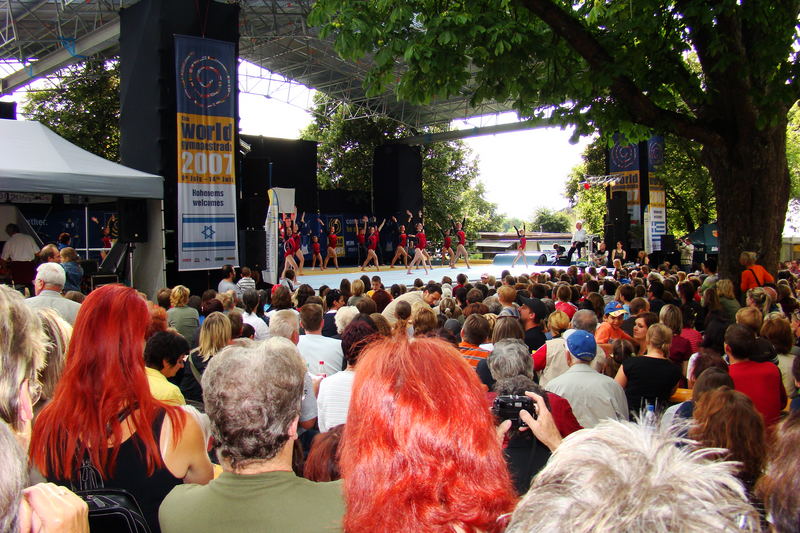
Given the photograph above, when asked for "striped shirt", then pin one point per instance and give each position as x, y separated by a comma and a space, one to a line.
246, 283
472, 353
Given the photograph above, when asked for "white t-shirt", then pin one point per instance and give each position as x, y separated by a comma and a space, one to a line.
334, 399
260, 327
316, 348
579, 235
20, 247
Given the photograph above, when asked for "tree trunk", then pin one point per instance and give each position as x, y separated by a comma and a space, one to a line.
751, 182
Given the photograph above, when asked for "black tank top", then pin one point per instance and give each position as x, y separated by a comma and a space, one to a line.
131, 475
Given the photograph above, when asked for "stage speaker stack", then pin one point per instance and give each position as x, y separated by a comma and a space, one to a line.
132, 215
396, 179
618, 220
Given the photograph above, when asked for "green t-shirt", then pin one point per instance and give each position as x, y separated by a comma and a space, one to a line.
274, 501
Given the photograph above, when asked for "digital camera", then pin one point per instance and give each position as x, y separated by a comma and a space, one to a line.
507, 407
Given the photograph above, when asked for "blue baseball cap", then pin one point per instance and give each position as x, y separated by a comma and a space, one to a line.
581, 345
614, 309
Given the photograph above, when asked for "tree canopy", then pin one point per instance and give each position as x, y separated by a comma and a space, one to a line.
549, 221
82, 107
723, 74
450, 187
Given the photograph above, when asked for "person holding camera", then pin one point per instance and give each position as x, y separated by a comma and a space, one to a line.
593, 396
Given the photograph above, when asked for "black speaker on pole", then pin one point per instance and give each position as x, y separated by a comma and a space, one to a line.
668, 244
132, 214
8, 110
252, 249
396, 179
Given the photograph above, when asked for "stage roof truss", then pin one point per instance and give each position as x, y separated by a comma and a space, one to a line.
46, 35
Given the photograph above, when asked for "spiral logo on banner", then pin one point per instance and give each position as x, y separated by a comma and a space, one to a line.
655, 153
205, 80
624, 157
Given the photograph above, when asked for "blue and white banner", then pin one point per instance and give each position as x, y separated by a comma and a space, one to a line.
206, 84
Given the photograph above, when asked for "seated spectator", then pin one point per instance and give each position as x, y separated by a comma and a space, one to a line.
778, 487
611, 328
252, 395
402, 325
335, 391
620, 351
474, 333
381, 324
702, 380
381, 298
180, 316
344, 316
592, 396
402, 453
72, 269
367, 305
237, 323
333, 301
778, 331
612, 478
103, 412
58, 334
548, 360
163, 298
322, 463
726, 419
727, 300
681, 349
760, 381
430, 296
323, 355
507, 297
47, 285
533, 313
650, 380
281, 299
246, 281
563, 303
164, 355
215, 334
637, 307
250, 300
424, 321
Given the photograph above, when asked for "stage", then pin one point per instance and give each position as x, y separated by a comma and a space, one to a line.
389, 276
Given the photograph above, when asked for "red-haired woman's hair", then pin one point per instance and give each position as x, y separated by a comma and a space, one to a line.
103, 376
419, 445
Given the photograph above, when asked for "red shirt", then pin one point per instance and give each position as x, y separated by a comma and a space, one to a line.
567, 308
447, 242
755, 276
762, 383
332, 240
296, 238
403, 240
462, 238
361, 238
315, 246
288, 247
422, 241
522, 242
372, 243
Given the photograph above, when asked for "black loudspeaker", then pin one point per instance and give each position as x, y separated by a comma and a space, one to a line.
8, 110
252, 249
396, 179
668, 244
132, 215
253, 212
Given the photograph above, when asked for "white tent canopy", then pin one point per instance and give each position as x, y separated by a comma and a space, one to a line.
33, 159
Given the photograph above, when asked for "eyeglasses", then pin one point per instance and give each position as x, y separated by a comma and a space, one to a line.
35, 391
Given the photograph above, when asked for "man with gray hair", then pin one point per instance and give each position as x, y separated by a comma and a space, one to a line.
48, 284
252, 395
284, 324
612, 478
550, 360
593, 396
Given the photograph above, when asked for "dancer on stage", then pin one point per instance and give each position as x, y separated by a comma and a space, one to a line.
316, 253
520, 247
372, 246
333, 240
361, 238
461, 248
420, 253
298, 245
401, 241
288, 254
447, 247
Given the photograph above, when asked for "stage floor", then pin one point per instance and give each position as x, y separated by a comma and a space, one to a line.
389, 276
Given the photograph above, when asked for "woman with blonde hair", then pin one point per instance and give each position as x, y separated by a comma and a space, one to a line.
180, 316
651, 379
59, 333
424, 321
727, 299
215, 334
357, 292
549, 360
448, 307
760, 299
753, 275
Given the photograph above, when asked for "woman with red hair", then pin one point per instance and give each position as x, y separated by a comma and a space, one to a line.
102, 411
420, 449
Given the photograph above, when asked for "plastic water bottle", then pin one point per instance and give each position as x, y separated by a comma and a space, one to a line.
321, 371
650, 416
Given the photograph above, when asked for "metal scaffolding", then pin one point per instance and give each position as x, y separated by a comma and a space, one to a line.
47, 35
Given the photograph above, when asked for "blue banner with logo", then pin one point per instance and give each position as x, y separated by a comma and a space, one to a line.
206, 83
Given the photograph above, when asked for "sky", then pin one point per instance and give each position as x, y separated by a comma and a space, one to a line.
522, 170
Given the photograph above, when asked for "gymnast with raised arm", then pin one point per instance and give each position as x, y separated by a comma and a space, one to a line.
361, 239
521, 247
372, 246
447, 246
298, 245
461, 247
401, 241
289, 250
316, 252
333, 241
420, 242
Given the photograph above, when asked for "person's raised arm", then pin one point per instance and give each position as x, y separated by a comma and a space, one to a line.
543, 426
381, 225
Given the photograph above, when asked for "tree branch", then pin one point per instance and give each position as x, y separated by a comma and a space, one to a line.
640, 107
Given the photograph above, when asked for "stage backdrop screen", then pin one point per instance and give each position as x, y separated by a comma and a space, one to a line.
205, 76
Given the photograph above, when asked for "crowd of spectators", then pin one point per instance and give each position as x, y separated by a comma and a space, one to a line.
370, 408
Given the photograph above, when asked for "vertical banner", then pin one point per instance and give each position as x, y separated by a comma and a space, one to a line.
624, 162
658, 196
206, 78
270, 273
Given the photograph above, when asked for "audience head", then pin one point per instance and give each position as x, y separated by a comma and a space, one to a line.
355, 338
779, 487
49, 276
165, 352
215, 334
777, 330
509, 358
311, 318
344, 316
281, 298
475, 330
252, 397
286, 324
507, 327
708, 379
322, 463
612, 477
381, 299
59, 333
366, 305
739, 342
401, 452
581, 346
659, 337
381, 324
13, 480
670, 315
424, 321
584, 320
